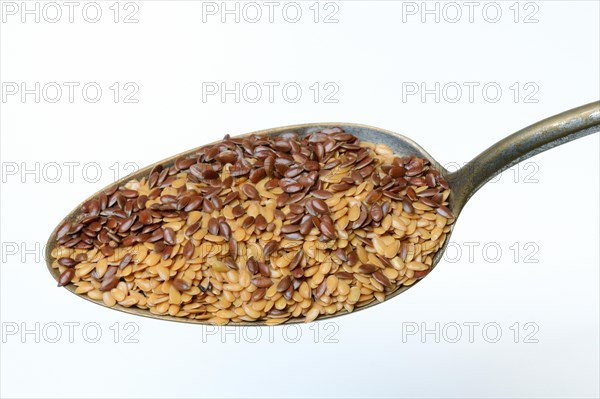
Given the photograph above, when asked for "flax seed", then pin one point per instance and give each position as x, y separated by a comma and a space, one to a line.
260, 228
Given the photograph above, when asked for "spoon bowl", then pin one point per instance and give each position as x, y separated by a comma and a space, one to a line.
541, 136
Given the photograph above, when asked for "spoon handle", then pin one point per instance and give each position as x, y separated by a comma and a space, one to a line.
541, 136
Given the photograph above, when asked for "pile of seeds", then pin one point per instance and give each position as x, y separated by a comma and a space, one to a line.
260, 228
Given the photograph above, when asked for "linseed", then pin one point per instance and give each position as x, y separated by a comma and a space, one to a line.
260, 228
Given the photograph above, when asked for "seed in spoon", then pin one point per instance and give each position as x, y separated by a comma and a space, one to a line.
66, 277
181, 284
250, 191
259, 228
67, 262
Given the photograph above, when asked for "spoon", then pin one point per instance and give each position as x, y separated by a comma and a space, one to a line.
541, 136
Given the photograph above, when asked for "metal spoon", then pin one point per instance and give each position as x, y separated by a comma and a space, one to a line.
541, 136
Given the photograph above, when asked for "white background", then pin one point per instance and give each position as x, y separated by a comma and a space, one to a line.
549, 206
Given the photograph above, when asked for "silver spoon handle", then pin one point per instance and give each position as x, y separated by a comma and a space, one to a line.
541, 136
